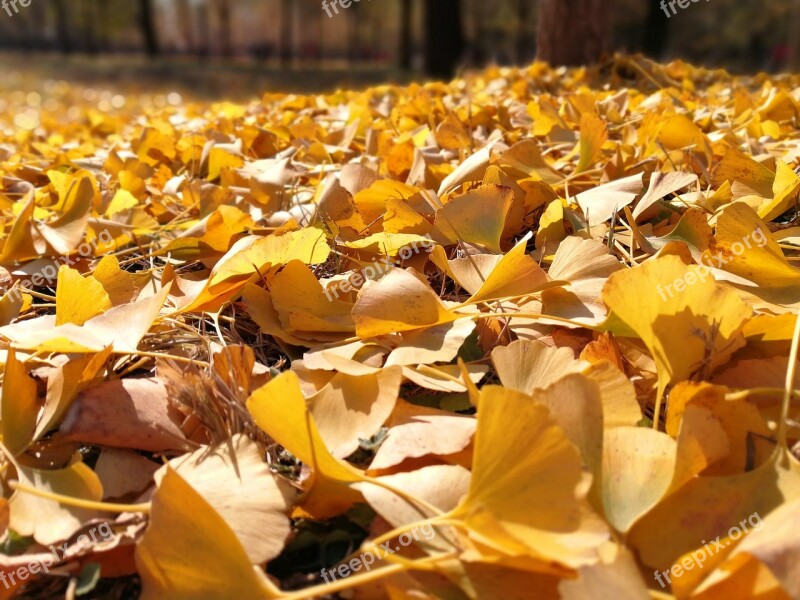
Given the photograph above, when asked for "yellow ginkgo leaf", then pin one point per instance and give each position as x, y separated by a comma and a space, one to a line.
303, 307
526, 365
771, 543
439, 343
67, 231
258, 304
477, 216
211, 237
452, 134
121, 286
638, 467
594, 134
280, 409
252, 257
12, 303
601, 203
401, 218
642, 466
20, 407
661, 185
189, 551
737, 167
79, 298
389, 244
688, 322
581, 417
441, 486
526, 497
745, 247
401, 301
745, 428
526, 157
584, 266
235, 481
220, 160
258, 255
490, 277
784, 193
706, 507
47, 520
551, 230
615, 576
64, 385
353, 408
121, 327
679, 132
415, 432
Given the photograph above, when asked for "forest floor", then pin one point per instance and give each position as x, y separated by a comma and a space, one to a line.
532, 332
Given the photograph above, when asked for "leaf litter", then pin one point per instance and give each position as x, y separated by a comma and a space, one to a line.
549, 315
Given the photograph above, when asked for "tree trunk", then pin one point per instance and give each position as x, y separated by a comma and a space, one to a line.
90, 22
444, 37
355, 33
147, 23
405, 51
524, 50
62, 26
287, 31
574, 32
313, 38
104, 24
203, 30
794, 39
186, 20
655, 31
224, 16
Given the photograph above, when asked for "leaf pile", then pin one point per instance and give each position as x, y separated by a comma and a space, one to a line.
548, 319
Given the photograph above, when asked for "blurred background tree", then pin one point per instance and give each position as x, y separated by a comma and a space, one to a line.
573, 32
374, 40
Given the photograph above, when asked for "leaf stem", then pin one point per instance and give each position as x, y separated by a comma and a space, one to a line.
523, 315
787, 395
79, 502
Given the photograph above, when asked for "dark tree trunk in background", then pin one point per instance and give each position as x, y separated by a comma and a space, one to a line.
89, 25
62, 26
316, 45
794, 38
405, 51
574, 32
444, 37
355, 32
186, 20
204, 31
147, 23
655, 31
104, 38
224, 16
287, 31
524, 46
